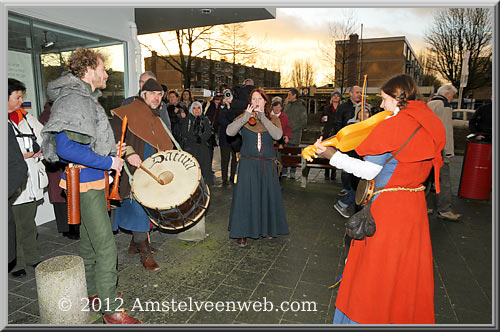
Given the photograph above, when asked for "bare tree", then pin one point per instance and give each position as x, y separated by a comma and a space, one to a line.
302, 74
187, 41
336, 56
430, 76
454, 31
235, 43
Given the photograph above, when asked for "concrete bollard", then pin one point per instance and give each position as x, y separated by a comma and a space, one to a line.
62, 291
195, 233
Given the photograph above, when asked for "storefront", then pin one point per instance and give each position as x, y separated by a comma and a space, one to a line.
41, 38
38, 48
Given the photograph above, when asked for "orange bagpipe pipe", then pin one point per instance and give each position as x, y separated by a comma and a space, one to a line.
349, 137
114, 192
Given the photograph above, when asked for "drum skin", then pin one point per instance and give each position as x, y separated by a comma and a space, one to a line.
182, 201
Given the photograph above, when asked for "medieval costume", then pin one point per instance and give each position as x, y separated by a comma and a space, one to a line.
79, 132
257, 206
388, 278
145, 135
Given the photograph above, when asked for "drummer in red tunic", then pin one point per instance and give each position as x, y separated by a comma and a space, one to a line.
145, 136
388, 278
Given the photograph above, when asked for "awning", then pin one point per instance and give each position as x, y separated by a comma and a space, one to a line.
151, 20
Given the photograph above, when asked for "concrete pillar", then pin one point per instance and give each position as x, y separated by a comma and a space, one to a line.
195, 233
62, 291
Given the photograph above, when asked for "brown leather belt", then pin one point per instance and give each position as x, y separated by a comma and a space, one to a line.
263, 159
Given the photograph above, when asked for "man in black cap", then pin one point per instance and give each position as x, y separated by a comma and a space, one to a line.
146, 76
328, 118
145, 136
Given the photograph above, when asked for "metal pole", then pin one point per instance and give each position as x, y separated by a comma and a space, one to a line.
360, 52
460, 98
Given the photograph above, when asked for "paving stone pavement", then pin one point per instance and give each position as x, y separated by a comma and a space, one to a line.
297, 268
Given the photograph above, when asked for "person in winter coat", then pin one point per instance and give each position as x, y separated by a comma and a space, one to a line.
440, 105
175, 111
27, 130
227, 153
328, 118
17, 176
196, 130
297, 116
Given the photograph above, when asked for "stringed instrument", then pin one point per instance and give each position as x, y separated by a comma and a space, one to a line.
349, 137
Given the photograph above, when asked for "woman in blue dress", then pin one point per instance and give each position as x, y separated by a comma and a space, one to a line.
257, 206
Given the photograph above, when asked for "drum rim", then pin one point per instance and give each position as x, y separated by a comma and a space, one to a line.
195, 220
172, 206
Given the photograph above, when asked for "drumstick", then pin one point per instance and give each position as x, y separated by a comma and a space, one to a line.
160, 181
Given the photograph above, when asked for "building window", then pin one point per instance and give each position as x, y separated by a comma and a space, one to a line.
38, 51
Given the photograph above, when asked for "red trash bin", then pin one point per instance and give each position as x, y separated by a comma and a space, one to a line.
475, 180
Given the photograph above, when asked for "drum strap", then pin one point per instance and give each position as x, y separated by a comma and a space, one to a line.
170, 134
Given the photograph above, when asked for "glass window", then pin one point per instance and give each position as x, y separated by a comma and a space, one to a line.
50, 45
457, 115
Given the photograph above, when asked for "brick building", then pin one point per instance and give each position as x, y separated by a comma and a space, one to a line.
379, 58
210, 74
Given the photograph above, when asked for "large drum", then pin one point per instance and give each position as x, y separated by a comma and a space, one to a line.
183, 198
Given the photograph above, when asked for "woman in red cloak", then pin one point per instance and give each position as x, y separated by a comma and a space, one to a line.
388, 278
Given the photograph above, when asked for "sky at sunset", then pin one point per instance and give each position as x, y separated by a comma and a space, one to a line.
296, 33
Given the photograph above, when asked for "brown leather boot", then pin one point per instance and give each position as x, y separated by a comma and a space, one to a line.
120, 317
94, 301
146, 256
132, 249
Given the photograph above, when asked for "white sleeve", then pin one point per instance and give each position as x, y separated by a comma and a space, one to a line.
360, 168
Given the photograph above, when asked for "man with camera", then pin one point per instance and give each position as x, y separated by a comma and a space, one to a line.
27, 130
240, 96
236, 104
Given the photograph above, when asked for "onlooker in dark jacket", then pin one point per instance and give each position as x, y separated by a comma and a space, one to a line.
196, 131
227, 153
241, 97
175, 111
211, 111
344, 113
328, 118
480, 123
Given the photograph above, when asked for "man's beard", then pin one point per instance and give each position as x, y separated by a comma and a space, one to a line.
155, 108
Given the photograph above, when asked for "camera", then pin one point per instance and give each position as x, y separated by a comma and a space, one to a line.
36, 146
228, 94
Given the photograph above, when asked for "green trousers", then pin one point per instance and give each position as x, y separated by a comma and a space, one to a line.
26, 247
98, 249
